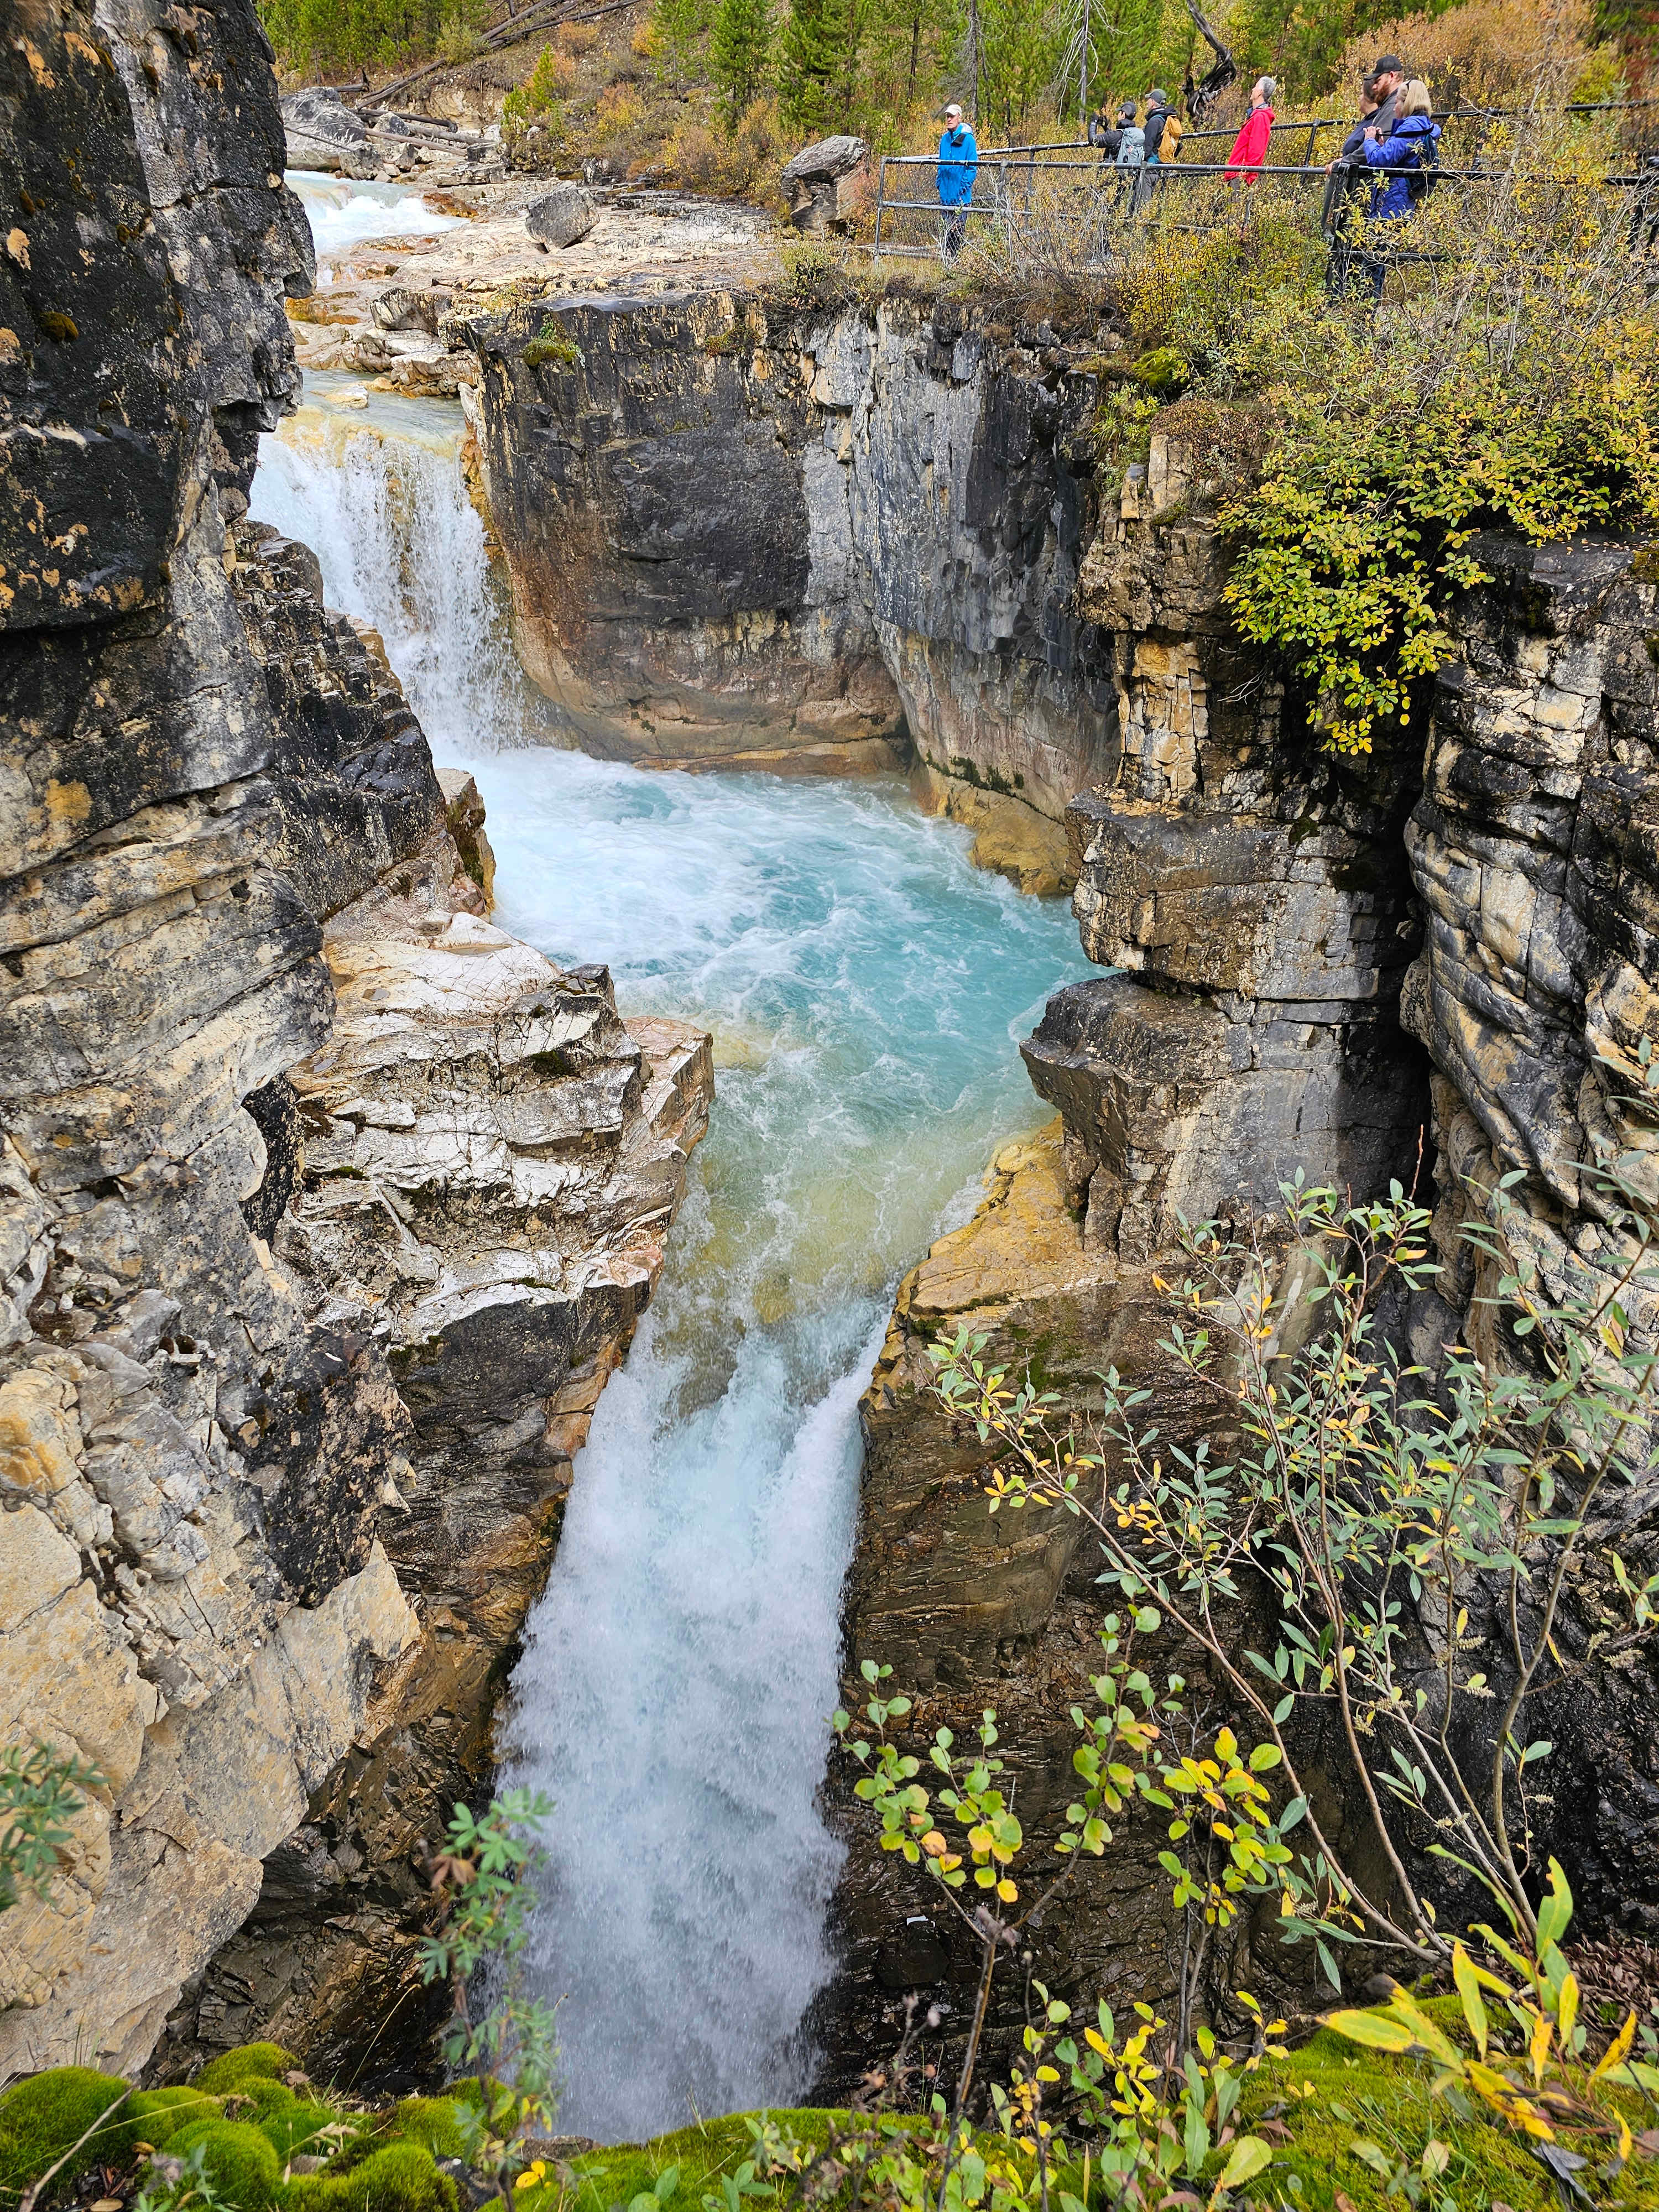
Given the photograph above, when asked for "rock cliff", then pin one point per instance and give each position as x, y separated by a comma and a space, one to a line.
325, 1206
745, 532
1387, 970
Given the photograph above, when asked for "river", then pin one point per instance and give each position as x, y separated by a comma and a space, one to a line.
866, 987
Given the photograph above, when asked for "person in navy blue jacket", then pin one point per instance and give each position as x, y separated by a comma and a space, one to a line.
958, 160
1401, 154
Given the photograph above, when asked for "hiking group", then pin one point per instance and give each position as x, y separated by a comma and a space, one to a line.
1393, 147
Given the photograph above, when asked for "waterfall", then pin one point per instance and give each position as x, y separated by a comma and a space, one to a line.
864, 986
379, 497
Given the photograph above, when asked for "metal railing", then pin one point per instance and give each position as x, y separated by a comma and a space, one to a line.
1043, 194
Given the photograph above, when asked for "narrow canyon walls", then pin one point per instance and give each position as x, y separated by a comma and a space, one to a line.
745, 532
320, 1197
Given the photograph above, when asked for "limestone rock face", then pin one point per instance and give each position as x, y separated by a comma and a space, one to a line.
743, 534
321, 132
823, 183
1298, 945
1254, 896
1533, 850
219, 825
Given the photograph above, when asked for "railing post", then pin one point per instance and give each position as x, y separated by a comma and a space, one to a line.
1313, 133
881, 197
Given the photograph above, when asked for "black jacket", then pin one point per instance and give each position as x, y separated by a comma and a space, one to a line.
1154, 128
1353, 146
1106, 135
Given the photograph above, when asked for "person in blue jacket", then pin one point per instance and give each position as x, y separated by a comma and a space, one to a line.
1402, 154
958, 160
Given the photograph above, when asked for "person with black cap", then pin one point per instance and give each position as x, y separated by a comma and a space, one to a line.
1104, 133
1379, 97
1162, 126
1381, 86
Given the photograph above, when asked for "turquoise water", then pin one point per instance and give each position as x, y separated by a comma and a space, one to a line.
867, 988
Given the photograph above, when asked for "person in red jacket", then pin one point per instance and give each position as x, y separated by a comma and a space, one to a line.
1250, 147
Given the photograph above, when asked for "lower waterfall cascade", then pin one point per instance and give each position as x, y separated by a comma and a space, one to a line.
864, 986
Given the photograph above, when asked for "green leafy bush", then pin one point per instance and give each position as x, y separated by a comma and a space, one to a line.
236, 2158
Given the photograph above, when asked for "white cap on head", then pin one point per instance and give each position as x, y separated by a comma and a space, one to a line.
953, 109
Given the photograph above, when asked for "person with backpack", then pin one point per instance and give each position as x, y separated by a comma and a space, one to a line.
1162, 127
1400, 154
1104, 134
1131, 155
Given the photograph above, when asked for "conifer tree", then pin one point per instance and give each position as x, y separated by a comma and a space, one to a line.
813, 64
739, 53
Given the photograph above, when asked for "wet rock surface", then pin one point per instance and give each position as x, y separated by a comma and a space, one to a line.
1358, 973
747, 533
236, 915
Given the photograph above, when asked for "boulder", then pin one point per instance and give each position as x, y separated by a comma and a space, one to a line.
562, 216
322, 132
400, 307
824, 181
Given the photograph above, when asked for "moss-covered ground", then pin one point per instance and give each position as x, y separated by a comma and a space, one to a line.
1349, 2129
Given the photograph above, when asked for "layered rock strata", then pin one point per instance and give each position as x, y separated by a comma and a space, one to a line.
1256, 904
240, 942
744, 533
1533, 851
1297, 947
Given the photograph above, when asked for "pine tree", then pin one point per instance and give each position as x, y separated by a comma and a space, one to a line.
739, 53
811, 71
681, 25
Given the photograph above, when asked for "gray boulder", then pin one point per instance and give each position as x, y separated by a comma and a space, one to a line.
560, 217
401, 308
823, 182
322, 132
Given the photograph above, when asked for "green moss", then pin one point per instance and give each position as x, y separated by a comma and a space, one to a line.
158, 2114
297, 2128
239, 2160
42, 2118
431, 2121
1330, 2093
552, 344
618, 2174
267, 2061
399, 2176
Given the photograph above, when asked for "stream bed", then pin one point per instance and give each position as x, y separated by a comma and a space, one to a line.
867, 988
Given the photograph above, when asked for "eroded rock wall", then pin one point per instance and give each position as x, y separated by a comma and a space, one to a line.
1256, 903
744, 533
241, 941
1533, 850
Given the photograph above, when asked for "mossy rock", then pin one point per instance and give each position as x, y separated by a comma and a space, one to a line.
1330, 2093
431, 2121
298, 2128
249, 2061
238, 2159
44, 2118
158, 2114
399, 2176
703, 2154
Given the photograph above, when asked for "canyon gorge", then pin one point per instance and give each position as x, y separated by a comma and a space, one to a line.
332, 1203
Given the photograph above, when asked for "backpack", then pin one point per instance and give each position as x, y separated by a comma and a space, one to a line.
1420, 184
1132, 153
